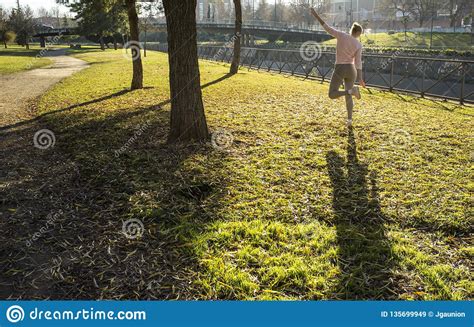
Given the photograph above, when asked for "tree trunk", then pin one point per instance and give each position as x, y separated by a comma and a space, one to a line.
102, 45
137, 80
234, 68
188, 121
144, 44
452, 14
5, 43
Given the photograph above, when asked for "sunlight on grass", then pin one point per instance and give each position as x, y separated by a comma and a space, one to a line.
16, 59
297, 208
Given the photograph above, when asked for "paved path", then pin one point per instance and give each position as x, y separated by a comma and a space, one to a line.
19, 89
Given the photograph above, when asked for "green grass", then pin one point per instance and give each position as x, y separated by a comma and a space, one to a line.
17, 58
416, 40
296, 208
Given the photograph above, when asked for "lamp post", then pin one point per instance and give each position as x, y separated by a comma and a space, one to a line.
472, 30
352, 19
275, 12
432, 18
253, 10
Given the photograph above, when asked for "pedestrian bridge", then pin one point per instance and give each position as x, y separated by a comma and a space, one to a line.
269, 30
42, 34
56, 32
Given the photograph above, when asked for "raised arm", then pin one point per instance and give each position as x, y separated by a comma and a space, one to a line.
315, 14
328, 28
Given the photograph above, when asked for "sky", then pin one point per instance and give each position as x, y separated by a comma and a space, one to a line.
34, 4
48, 4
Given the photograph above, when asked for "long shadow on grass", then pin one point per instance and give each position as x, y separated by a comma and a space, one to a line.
26, 53
365, 257
39, 117
78, 195
101, 99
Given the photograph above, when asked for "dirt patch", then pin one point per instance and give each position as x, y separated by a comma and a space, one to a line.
19, 89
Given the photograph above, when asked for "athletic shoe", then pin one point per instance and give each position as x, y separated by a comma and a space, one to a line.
355, 92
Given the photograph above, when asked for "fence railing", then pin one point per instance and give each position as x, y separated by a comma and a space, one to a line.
434, 77
257, 24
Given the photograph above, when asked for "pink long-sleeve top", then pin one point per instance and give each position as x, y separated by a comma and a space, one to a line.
348, 49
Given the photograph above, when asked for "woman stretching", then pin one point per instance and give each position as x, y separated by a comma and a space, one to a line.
348, 64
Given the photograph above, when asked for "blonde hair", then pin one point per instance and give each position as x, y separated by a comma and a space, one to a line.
356, 27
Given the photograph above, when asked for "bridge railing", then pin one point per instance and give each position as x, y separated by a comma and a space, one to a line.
258, 24
435, 77
49, 31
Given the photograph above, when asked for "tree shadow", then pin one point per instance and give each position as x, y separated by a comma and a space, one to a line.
104, 98
427, 101
78, 194
13, 53
366, 260
71, 107
220, 79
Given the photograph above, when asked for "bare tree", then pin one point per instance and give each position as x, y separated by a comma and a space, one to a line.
300, 13
263, 11
405, 20
188, 121
247, 10
405, 7
56, 13
391, 8
423, 10
42, 13
457, 10
149, 9
234, 68
279, 9
222, 12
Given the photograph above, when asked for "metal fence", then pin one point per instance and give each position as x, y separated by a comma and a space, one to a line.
435, 77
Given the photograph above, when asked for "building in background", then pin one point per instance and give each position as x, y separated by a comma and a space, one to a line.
375, 14
214, 10
344, 12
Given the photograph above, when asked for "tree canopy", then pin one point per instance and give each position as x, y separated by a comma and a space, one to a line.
100, 17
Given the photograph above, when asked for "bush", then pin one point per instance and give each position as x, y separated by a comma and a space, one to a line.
8, 37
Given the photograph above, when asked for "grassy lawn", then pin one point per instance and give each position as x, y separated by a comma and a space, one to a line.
440, 40
17, 58
296, 207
